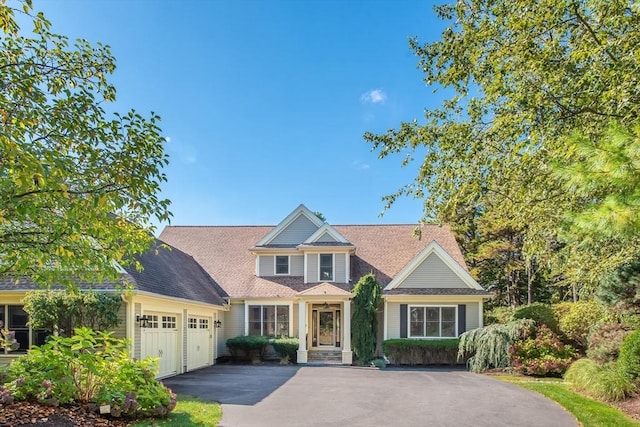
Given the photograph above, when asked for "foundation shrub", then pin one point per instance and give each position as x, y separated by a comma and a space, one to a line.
498, 315
286, 347
542, 355
542, 314
245, 348
90, 367
629, 359
607, 382
605, 340
404, 351
575, 320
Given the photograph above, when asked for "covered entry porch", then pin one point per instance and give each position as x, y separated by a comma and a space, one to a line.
324, 322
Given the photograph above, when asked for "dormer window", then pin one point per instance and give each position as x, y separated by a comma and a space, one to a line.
282, 265
326, 267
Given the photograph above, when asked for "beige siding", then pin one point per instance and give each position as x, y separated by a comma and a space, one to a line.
472, 316
297, 232
312, 268
297, 265
232, 325
120, 331
184, 340
326, 237
266, 265
340, 275
433, 273
393, 320
137, 333
294, 317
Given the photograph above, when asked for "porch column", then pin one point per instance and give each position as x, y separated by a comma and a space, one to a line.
302, 332
347, 355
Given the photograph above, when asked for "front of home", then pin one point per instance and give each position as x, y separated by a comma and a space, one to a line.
204, 284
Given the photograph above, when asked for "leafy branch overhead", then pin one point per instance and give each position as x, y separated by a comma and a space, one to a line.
78, 186
521, 76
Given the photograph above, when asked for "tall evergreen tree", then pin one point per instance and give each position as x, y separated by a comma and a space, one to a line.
364, 322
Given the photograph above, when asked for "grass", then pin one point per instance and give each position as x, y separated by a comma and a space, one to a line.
588, 412
190, 411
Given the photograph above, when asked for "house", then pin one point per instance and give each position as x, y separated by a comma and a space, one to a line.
204, 284
170, 312
295, 279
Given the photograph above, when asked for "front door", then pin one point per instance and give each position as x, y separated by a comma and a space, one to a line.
326, 329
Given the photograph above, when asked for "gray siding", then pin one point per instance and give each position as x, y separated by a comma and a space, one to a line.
137, 333
340, 273
326, 237
472, 316
297, 265
120, 331
393, 320
232, 326
184, 340
266, 265
433, 273
312, 268
297, 232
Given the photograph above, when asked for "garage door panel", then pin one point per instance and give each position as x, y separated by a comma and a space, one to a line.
160, 340
199, 342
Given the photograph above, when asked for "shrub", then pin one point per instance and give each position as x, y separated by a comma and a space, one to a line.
247, 347
404, 351
498, 315
286, 347
542, 314
605, 340
488, 347
606, 382
90, 367
364, 322
542, 355
629, 359
575, 320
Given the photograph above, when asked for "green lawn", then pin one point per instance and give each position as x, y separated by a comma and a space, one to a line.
190, 411
589, 412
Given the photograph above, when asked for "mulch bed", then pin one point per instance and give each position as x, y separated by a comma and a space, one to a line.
630, 407
23, 414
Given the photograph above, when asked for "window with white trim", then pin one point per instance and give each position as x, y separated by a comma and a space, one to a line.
432, 322
269, 320
282, 264
16, 320
326, 267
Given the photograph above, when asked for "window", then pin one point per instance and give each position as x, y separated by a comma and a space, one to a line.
326, 267
269, 320
432, 322
168, 322
16, 320
282, 264
193, 323
204, 323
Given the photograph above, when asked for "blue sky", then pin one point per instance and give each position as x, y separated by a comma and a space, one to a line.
264, 103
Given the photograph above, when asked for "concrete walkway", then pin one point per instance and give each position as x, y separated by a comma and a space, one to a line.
273, 395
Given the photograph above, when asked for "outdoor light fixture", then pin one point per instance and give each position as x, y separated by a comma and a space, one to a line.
143, 320
325, 306
218, 324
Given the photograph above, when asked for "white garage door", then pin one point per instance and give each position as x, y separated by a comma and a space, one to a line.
199, 342
160, 339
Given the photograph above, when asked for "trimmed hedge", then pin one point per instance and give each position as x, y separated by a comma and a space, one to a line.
405, 351
629, 359
286, 347
247, 348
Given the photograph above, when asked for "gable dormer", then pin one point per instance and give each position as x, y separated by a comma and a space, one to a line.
294, 229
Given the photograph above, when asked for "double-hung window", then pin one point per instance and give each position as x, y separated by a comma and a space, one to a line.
16, 320
432, 322
326, 267
269, 320
282, 264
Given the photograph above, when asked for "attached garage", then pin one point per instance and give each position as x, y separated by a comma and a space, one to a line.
160, 340
199, 342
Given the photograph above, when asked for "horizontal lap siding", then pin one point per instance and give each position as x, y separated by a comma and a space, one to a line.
312, 268
472, 315
433, 273
137, 333
297, 265
120, 331
340, 275
326, 238
297, 232
293, 317
393, 320
232, 326
266, 265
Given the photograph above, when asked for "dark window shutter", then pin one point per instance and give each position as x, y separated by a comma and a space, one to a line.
403, 320
462, 318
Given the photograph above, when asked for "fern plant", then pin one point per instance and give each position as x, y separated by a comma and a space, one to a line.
488, 347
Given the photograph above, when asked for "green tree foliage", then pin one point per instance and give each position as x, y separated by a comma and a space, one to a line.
61, 312
605, 340
519, 76
542, 314
364, 321
629, 358
78, 185
575, 320
621, 288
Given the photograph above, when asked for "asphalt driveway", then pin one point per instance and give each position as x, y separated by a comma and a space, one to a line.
274, 395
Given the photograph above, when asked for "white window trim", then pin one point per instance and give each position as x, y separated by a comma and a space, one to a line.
275, 266
455, 311
333, 267
248, 303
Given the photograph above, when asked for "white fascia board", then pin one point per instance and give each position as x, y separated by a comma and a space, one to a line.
434, 248
300, 210
326, 228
